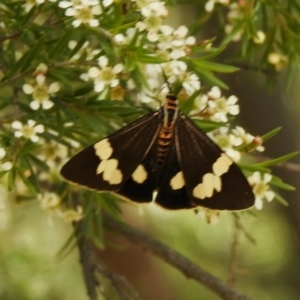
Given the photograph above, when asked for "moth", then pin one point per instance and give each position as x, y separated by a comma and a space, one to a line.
163, 151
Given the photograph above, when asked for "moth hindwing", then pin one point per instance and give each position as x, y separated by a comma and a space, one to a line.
165, 152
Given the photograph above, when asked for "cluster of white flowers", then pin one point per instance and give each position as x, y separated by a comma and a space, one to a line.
40, 91
51, 204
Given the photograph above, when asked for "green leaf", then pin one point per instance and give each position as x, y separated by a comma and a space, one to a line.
209, 77
67, 247
110, 204
25, 61
60, 45
254, 168
281, 199
215, 67
237, 27
276, 181
207, 125
11, 178
277, 161
188, 105
270, 134
150, 59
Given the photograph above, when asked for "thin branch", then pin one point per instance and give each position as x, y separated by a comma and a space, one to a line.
87, 262
174, 258
90, 268
119, 283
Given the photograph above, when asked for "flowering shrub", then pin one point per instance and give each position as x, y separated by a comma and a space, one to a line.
71, 72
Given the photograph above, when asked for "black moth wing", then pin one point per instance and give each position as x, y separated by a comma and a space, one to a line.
208, 172
109, 163
170, 196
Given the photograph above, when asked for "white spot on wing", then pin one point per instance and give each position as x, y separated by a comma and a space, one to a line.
140, 174
177, 182
110, 171
103, 149
110, 167
101, 166
212, 181
221, 165
116, 177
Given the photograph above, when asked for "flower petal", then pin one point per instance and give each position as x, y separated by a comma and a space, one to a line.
54, 87
34, 104
27, 88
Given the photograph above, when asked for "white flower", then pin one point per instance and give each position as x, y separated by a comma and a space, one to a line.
71, 215
41, 68
278, 60
260, 37
28, 131
155, 7
84, 13
210, 4
50, 202
214, 93
5, 166
260, 188
246, 137
154, 13
142, 3
191, 83
105, 75
227, 142
51, 150
174, 68
221, 106
179, 43
106, 3
41, 92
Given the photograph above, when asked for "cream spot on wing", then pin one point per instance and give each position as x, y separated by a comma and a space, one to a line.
208, 184
221, 165
212, 181
110, 167
116, 177
140, 174
177, 182
101, 167
103, 149
199, 191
